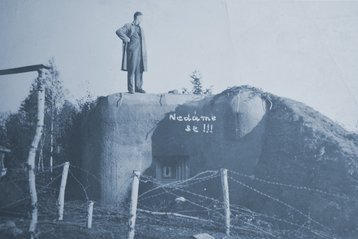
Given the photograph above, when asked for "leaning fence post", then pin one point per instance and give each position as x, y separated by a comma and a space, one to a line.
133, 205
225, 187
90, 214
61, 196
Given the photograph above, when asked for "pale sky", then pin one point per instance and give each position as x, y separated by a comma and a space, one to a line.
304, 50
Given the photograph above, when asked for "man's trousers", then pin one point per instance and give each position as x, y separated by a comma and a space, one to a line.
135, 68
136, 75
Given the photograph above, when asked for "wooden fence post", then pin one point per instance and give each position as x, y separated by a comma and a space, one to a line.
61, 196
90, 214
225, 187
133, 205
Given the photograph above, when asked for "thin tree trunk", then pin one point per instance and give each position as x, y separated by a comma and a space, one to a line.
40, 165
51, 137
32, 154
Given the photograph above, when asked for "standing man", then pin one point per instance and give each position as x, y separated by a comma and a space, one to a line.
134, 59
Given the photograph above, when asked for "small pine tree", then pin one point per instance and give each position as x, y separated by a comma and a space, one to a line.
197, 85
196, 82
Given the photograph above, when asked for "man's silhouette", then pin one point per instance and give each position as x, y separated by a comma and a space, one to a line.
134, 59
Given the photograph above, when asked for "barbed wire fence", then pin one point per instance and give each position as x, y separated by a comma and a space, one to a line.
180, 200
78, 215
187, 204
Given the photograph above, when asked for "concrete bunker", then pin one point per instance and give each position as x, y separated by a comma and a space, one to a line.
242, 129
170, 137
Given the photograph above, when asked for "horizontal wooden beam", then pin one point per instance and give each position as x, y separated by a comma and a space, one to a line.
23, 69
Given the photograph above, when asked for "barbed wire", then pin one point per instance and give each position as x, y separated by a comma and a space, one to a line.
201, 196
255, 230
47, 189
213, 200
278, 201
16, 202
171, 184
176, 183
54, 167
184, 216
28, 197
144, 206
87, 172
167, 190
43, 170
248, 213
53, 180
151, 196
158, 220
191, 202
255, 214
178, 187
48, 184
192, 211
162, 185
252, 177
78, 181
173, 187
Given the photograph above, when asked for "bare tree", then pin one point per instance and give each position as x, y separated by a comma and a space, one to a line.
33, 149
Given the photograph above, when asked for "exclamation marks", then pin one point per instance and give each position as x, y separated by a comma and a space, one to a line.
208, 128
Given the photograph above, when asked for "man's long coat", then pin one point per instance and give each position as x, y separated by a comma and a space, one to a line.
125, 33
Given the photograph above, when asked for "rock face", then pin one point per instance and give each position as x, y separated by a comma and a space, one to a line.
173, 137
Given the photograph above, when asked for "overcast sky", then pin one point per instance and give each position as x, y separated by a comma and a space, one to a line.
304, 50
